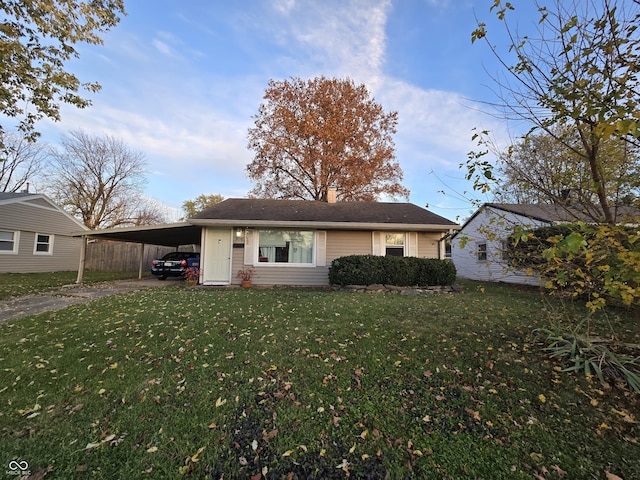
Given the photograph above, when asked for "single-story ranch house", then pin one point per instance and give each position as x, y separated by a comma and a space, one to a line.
293, 242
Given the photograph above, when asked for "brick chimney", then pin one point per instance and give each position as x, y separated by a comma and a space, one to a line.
331, 195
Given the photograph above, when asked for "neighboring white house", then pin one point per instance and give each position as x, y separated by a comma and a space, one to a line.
477, 249
35, 235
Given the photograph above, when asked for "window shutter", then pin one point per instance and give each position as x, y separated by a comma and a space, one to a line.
250, 237
321, 248
412, 244
378, 243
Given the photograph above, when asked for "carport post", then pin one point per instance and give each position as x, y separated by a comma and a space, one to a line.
141, 261
83, 256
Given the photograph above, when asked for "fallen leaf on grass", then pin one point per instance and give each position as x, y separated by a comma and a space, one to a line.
536, 457
612, 476
41, 474
194, 458
474, 413
106, 439
270, 435
627, 417
558, 470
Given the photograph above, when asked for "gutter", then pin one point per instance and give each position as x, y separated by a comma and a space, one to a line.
416, 227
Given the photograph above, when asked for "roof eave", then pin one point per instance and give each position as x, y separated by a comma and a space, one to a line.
324, 225
89, 233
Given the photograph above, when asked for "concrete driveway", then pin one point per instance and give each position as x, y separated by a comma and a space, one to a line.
20, 307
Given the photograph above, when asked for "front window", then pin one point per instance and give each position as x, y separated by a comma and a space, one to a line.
8, 242
394, 244
43, 244
285, 246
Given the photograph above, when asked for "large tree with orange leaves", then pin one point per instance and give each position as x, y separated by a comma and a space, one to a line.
314, 134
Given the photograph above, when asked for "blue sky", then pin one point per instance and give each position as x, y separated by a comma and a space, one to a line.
182, 79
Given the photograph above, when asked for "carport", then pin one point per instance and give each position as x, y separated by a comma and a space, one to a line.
169, 235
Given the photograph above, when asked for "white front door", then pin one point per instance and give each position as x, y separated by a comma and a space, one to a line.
217, 257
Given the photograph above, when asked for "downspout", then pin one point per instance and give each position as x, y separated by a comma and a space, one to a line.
83, 256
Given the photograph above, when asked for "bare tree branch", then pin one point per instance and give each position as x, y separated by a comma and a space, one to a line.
97, 179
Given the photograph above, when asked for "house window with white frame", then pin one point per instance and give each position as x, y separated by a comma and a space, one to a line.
43, 244
482, 252
285, 247
9, 241
505, 251
394, 244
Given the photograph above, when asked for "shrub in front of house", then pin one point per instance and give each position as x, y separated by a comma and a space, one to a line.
399, 271
356, 270
432, 271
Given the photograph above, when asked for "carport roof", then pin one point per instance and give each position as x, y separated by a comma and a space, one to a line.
171, 234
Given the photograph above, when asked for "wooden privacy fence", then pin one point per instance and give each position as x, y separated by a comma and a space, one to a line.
109, 256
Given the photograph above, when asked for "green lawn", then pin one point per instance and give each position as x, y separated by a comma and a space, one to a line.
15, 284
296, 383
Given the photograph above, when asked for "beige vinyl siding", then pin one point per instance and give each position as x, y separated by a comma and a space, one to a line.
280, 275
339, 243
39, 217
428, 244
295, 276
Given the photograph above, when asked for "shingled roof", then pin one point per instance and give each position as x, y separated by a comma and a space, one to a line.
553, 213
12, 195
261, 212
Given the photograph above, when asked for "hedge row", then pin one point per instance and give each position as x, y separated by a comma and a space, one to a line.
400, 271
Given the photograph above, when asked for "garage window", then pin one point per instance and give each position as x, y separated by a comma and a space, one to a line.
43, 244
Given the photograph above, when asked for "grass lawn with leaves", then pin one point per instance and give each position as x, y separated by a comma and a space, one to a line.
15, 284
301, 383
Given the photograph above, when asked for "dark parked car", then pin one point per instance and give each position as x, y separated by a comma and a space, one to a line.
174, 264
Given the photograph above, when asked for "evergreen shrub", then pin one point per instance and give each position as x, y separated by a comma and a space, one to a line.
398, 271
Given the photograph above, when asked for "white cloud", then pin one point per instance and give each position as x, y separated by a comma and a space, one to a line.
162, 47
284, 6
433, 119
344, 38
